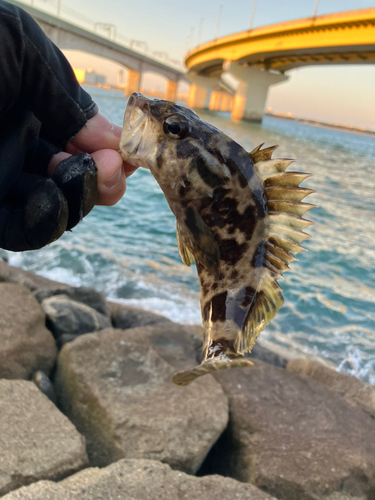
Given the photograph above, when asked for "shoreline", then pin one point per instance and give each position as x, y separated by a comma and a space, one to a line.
315, 123
305, 121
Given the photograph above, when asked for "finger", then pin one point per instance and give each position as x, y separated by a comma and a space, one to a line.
55, 160
129, 169
111, 177
69, 148
77, 178
41, 219
98, 133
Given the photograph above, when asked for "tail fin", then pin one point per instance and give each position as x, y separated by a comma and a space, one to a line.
209, 366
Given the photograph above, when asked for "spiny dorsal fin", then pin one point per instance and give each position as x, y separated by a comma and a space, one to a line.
284, 204
284, 235
265, 154
285, 179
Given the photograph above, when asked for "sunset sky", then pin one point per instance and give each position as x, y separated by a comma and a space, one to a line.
340, 94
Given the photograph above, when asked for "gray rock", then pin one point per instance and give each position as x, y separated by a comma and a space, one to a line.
116, 388
138, 480
11, 274
26, 345
124, 317
353, 390
45, 385
36, 440
177, 344
83, 294
267, 356
65, 338
65, 315
293, 437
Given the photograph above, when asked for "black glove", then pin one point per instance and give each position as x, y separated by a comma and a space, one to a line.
41, 108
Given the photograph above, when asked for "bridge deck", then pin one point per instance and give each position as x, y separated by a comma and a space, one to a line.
346, 37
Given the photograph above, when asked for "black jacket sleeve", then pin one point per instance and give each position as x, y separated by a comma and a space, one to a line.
42, 107
34, 72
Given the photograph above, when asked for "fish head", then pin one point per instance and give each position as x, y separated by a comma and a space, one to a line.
174, 144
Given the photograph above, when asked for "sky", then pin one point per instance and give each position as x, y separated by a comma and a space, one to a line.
342, 94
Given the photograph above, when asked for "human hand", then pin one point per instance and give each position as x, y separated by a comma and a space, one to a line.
100, 138
42, 107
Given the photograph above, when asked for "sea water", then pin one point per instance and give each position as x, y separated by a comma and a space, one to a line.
129, 251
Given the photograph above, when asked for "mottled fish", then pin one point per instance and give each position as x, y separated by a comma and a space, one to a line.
239, 216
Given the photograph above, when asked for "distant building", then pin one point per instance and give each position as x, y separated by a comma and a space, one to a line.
89, 76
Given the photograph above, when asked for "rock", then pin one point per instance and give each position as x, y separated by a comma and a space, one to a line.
11, 274
293, 437
124, 317
44, 384
116, 388
267, 356
138, 480
290, 352
26, 345
36, 440
83, 294
65, 338
65, 315
177, 344
353, 390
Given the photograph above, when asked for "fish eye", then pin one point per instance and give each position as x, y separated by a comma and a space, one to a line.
175, 127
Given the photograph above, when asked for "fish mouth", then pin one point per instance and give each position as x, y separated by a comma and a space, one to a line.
135, 123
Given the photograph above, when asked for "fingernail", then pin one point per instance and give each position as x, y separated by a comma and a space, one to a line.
114, 180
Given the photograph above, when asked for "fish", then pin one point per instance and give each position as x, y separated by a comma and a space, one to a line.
238, 216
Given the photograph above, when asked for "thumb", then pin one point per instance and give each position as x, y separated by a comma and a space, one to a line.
98, 133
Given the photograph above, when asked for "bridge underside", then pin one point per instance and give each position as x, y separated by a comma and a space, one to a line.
260, 57
287, 62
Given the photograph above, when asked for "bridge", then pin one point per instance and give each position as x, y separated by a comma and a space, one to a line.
260, 57
69, 36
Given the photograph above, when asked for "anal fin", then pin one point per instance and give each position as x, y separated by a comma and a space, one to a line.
185, 253
268, 301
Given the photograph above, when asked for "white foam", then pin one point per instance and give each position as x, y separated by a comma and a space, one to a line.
187, 313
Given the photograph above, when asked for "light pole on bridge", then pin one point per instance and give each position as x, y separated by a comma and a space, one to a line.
316, 8
200, 31
252, 15
218, 22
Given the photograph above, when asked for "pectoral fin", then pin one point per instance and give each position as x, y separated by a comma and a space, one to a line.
196, 237
183, 247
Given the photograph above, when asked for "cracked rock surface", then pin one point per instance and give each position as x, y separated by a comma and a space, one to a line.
36, 440
140, 480
115, 386
26, 345
294, 438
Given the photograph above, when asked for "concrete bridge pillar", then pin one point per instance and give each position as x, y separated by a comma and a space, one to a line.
220, 101
133, 82
171, 90
226, 102
200, 91
250, 99
215, 100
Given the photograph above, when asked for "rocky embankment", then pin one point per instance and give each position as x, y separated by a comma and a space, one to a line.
88, 411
